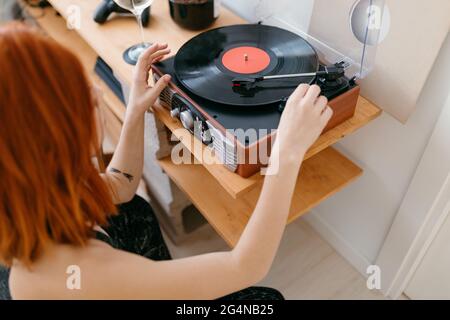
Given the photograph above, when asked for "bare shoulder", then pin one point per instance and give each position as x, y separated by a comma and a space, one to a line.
96, 271
99, 271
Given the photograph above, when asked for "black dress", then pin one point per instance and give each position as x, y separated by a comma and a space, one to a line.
136, 230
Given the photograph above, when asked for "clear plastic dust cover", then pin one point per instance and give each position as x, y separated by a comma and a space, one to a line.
339, 30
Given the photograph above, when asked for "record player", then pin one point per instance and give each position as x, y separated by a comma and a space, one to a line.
230, 85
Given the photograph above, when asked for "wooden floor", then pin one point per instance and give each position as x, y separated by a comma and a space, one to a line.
306, 266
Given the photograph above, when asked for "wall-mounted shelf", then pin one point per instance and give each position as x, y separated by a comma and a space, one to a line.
237, 186
322, 175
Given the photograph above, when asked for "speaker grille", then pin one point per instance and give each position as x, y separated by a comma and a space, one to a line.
225, 149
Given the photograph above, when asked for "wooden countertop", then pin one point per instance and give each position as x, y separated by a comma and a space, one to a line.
111, 39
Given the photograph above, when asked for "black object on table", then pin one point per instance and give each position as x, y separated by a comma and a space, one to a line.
107, 7
106, 74
194, 14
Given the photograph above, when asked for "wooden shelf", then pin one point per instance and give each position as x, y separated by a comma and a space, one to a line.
237, 186
234, 184
321, 176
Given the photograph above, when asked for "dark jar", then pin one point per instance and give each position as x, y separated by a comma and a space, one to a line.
194, 14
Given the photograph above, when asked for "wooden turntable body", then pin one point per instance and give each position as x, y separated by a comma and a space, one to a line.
343, 106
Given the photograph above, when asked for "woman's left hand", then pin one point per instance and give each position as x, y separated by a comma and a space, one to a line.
142, 95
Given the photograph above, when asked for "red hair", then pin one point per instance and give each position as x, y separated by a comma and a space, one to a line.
50, 189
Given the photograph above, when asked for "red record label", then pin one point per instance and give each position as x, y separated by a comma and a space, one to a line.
246, 60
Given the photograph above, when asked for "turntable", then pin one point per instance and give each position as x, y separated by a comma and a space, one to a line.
233, 80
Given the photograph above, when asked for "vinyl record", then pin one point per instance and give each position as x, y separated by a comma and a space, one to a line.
207, 64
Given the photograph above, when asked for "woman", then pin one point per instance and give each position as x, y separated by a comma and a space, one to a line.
53, 200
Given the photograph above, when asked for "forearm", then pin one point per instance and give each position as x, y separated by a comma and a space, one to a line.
126, 166
260, 240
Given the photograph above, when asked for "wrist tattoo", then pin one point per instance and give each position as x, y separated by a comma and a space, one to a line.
126, 175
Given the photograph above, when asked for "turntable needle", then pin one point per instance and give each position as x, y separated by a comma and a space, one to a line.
330, 73
252, 80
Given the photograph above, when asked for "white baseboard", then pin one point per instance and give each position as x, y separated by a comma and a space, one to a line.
345, 249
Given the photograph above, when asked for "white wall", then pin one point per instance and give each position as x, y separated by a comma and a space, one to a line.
431, 280
417, 30
246, 9
389, 153
358, 218
422, 212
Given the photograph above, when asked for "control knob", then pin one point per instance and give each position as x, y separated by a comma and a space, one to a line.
174, 112
187, 119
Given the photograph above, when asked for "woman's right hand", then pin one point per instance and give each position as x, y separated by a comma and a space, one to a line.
142, 95
305, 116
